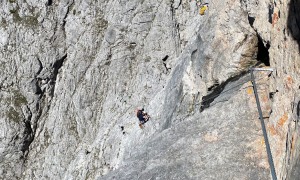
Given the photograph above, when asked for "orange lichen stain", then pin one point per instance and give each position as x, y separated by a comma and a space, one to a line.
265, 99
249, 90
262, 141
210, 137
289, 81
274, 19
283, 119
272, 130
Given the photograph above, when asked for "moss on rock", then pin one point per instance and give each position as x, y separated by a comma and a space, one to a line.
13, 115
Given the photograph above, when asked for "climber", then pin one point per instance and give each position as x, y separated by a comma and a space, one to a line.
203, 8
143, 116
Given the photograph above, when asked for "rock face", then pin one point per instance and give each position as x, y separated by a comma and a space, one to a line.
74, 71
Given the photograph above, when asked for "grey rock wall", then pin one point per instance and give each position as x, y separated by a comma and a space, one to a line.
74, 71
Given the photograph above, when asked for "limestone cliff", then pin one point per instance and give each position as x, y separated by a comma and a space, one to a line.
74, 71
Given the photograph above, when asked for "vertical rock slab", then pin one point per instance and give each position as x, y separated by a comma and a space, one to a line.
73, 72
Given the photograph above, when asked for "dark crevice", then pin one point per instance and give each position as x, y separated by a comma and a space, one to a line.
66, 15
180, 2
271, 11
28, 135
271, 95
251, 20
293, 21
144, 22
165, 58
194, 54
30, 123
287, 147
87, 152
213, 86
167, 69
217, 90
49, 2
64, 20
284, 33
57, 65
40, 67
263, 49
263, 52
35, 86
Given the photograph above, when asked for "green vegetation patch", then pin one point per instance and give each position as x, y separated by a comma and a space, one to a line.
73, 128
148, 59
18, 98
46, 138
16, 15
29, 21
100, 23
14, 101
3, 23
13, 115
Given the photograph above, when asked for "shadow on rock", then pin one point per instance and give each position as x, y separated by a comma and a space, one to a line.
293, 21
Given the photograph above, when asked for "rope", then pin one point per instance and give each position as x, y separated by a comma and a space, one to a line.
268, 149
270, 159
